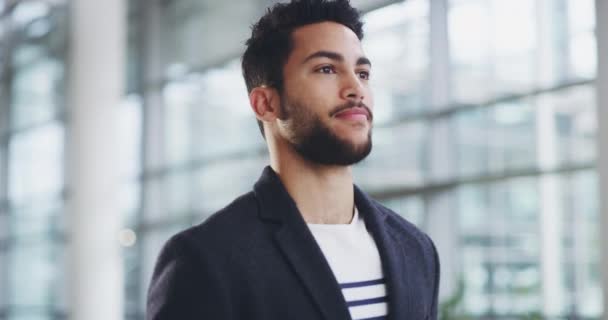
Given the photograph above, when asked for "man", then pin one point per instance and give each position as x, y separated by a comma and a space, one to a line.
305, 243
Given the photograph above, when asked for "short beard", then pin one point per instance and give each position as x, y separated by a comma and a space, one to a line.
315, 142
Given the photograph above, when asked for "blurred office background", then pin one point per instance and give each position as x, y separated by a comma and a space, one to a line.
486, 137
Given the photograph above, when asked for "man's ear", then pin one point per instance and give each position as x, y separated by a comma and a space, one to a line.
265, 103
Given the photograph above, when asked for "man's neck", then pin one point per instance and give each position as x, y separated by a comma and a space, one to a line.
323, 194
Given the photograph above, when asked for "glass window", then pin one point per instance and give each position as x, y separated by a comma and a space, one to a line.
511, 136
130, 200
4, 227
32, 252
34, 268
205, 117
27, 12
36, 87
574, 124
581, 35
582, 258
411, 208
168, 196
397, 42
192, 192
491, 56
39, 217
132, 286
497, 138
3, 170
182, 21
130, 131
3, 271
36, 163
211, 192
514, 45
470, 49
500, 246
397, 158
29, 315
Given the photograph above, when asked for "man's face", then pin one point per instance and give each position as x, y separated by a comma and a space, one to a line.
326, 100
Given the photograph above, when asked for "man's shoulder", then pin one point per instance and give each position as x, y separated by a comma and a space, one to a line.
242, 211
411, 238
402, 229
225, 228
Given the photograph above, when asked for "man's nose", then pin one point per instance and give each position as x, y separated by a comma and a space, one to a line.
352, 88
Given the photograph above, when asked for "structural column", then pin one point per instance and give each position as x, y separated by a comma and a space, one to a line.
441, 215
601, 30
96, 78
550, 207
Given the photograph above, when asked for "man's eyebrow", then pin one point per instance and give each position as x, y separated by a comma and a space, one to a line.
335, 56
324, 54
364, 60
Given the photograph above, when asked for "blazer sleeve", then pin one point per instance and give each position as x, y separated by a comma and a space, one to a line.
185, 285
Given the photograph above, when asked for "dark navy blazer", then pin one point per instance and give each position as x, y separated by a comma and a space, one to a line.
257, 260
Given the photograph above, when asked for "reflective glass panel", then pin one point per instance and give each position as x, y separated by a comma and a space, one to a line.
209, 115
41, 216
496, 139
552, 42
397, 158
36, 87
581, 243
470, 50
33, 269
3, 272
168, 196
132, 265
183, 21
30, 315
220, 182
569, 133
582, 43
397, 42
500, 245
411, 208
29, 11
36, 163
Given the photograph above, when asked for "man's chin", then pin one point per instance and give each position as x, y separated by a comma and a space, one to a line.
355, 139
340, 154
353, 153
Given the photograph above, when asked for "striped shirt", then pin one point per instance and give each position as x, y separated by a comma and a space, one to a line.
353, 257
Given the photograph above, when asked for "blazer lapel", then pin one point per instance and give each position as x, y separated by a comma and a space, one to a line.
396, 263
299, 246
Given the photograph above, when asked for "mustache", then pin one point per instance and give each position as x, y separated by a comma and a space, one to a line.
352, 104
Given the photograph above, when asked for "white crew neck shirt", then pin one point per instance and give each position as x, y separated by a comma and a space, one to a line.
354, 259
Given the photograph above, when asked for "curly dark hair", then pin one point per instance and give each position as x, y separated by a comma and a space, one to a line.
271, 43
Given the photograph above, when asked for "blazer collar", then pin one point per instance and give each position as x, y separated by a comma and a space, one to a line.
277, 205
307, 260
397, 263
299, 246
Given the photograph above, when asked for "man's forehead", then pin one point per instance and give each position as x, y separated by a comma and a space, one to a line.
326, 36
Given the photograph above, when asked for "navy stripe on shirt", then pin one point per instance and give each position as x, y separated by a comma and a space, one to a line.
361, 284
366, 301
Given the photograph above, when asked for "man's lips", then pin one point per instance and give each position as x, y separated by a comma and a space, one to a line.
353, 113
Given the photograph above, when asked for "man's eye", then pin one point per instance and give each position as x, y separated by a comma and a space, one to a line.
327, 69
364, 75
